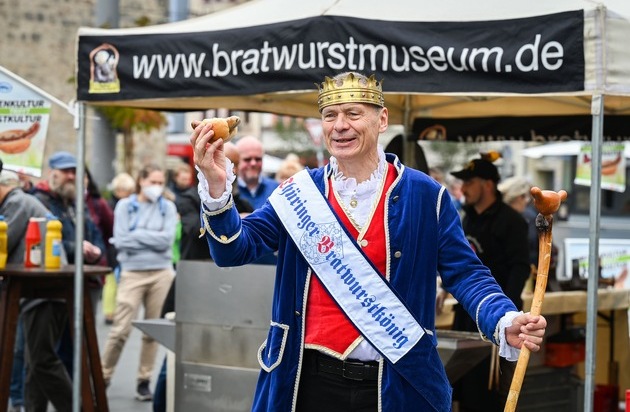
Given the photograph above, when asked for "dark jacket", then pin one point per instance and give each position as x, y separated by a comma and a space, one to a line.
103, 217
499, 238
17, 207
188, 207
66, 213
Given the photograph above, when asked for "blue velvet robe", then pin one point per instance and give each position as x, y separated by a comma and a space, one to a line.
420, 244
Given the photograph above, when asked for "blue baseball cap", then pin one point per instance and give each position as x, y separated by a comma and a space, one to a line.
62, 160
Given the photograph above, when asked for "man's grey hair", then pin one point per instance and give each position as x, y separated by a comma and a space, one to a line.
9, 178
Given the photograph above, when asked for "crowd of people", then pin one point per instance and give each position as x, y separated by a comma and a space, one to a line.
141, 227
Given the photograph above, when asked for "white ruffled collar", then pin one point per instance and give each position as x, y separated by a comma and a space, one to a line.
347, 186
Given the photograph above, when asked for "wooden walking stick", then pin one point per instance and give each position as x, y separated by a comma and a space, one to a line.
547, 203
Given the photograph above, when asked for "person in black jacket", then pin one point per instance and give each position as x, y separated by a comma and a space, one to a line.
498, 235
188, 207
496, 232
191, 247
45, 319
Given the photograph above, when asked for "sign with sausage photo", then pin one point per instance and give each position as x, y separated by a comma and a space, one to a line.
614, 257
613, 166
24, 115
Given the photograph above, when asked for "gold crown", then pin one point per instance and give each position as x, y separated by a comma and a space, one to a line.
350, 89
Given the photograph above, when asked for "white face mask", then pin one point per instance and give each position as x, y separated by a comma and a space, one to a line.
153, 192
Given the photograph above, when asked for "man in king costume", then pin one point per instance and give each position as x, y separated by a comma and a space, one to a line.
360, 243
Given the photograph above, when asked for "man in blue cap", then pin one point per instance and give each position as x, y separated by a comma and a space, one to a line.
58, 194
62, 160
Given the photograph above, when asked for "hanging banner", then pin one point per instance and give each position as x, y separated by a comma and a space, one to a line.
613, 167
542, 129
539, 54
24, 116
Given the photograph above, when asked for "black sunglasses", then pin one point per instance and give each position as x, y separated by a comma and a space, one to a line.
249, 159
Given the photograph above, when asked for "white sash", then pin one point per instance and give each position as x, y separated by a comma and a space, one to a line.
362, 293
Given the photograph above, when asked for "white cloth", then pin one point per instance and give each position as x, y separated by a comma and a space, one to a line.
203, 188
506, 351
364, 192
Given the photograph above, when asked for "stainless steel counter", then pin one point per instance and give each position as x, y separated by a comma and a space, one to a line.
461, 351
222, 318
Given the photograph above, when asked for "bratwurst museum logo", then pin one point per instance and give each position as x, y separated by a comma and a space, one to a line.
104, 69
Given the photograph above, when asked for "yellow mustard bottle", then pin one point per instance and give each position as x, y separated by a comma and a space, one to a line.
52, 248
4, 253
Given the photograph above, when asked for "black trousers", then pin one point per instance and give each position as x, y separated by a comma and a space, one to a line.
472, 392
46, 377
321, 391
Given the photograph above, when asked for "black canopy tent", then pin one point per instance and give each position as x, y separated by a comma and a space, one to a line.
439, 60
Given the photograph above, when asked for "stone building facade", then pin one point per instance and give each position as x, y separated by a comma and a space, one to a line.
38, 40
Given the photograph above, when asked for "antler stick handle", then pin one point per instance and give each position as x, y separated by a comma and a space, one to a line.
547, 203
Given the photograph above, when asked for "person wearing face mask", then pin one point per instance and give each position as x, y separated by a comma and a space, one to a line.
144, 231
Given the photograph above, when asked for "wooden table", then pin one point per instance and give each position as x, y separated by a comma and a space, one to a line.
613, 337
20, 282
575, 301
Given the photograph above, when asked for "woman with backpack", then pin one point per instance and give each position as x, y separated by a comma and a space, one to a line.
144, 231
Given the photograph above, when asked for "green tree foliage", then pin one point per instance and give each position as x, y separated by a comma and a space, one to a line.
128, 120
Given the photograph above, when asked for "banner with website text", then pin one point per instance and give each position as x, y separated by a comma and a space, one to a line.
542, 129
541, 54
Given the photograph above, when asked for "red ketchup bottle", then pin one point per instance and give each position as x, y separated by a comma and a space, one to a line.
33, 245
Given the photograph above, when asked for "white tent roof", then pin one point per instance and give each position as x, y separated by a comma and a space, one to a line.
259, 12
607, 57
36, 89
